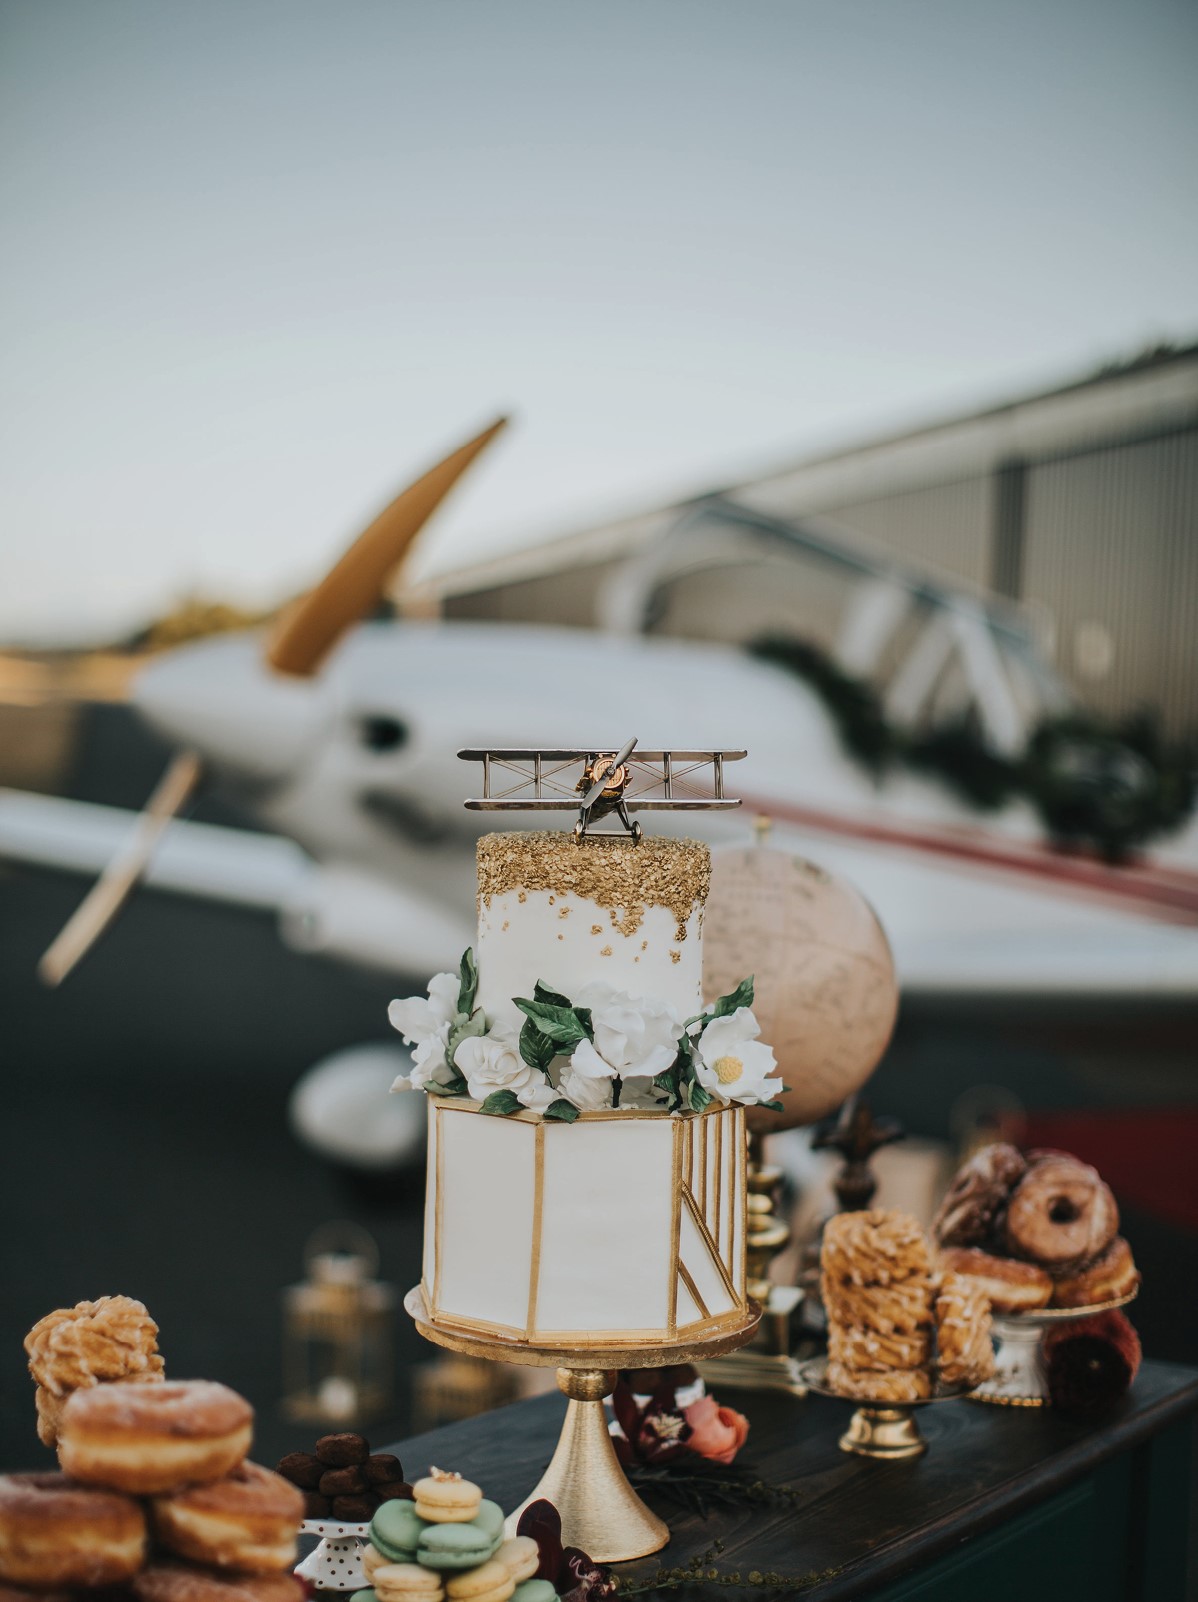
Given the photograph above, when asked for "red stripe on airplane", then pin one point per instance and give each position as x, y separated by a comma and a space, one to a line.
1169, 894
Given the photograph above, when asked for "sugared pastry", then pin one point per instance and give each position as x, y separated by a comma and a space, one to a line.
93, 1343
490, 1582
178, 1582
55, 1532
23, 1593
966, 1356
444, 1498
521, 1556
879, 1247
880, 1385
1060, 1215
1011, 1286
302, 1469
383, 1468
354, 1509
343, 1481
151, 1439
342, 1451
1112, 1275
248, 1521
977, 1197
316, 1506
405, 1582
394, 1489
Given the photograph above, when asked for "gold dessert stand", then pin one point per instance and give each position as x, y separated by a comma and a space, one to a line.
1019, 1379
884, 1430
600, 1511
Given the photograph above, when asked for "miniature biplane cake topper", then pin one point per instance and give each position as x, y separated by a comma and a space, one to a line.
619, 782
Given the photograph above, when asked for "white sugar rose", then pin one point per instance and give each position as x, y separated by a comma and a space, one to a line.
635, 1037
732, 1063
588, 1092
493, 1062
425, 1022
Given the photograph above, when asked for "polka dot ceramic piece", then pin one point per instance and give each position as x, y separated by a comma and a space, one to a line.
336, 1564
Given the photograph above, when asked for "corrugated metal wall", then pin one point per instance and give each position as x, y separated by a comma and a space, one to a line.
1110, 552
942, 526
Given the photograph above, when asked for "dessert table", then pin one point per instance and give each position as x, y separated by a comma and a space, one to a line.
1007, 1502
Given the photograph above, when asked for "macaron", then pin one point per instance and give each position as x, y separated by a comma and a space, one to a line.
521, 1556
372, 1559
446, 1498
406, 1582
396, 1530
490, 1582
364, 1596
534, 1591
459, 1546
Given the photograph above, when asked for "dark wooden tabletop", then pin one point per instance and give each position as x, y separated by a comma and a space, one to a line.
859, 1523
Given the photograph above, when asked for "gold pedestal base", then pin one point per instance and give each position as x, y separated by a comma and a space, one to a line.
600, 1511
883, 1432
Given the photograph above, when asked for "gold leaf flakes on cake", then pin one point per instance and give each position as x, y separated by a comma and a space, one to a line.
605, 951
675, 956
623, 878
597, 928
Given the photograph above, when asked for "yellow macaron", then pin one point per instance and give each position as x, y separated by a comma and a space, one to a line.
490, 1582
521, 1557
405, 1582
444, 1498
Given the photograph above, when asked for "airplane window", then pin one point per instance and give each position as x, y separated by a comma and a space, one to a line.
381, 732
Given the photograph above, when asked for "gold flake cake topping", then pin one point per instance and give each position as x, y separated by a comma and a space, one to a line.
624, 879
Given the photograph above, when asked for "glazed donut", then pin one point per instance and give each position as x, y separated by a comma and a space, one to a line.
1111, 1275
1061, 1215
1010, 1286
55, 1532
977, 1196
248, 1521
151, 1439
175, 1582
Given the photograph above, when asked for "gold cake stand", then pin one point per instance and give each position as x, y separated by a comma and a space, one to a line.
885, 1430
600, 1511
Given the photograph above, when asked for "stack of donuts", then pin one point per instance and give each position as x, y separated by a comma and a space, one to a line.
155, 1492
893, 1321
1034, 1231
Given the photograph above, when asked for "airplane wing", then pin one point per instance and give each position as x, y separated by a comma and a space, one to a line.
331, 909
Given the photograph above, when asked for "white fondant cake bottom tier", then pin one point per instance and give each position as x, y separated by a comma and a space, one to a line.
622, 1226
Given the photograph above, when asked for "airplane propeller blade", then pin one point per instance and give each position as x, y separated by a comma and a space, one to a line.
111, 890
600, 783
307, 631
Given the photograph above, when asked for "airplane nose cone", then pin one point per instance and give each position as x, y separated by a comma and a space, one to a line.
218, 697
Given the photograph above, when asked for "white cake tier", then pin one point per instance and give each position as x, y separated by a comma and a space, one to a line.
630, 916
623, 1226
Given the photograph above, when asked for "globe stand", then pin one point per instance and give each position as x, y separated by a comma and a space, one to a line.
600, 1511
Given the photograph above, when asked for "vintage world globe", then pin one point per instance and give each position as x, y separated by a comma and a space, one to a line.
825, 989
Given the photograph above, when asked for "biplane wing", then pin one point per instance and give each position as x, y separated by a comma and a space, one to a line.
523, 779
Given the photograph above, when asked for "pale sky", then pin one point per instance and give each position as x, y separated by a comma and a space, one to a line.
265, 259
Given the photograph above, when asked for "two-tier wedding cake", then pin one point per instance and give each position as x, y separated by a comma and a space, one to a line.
586, 1147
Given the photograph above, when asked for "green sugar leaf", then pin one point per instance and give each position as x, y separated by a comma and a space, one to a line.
469, 983
563, 1111
537, 1050
501, 1103
742, 996
554, 998
565, 1026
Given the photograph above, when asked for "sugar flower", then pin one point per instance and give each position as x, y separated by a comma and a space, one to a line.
732, 1063
635, 1037
493, 1062
425, 1022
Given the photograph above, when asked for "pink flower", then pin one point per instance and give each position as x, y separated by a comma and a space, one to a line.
717, 1432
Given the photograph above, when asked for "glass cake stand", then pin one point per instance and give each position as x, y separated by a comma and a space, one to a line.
880, 1429
600, 1511
1019, 1379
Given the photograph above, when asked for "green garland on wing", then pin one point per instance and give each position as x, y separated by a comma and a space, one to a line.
1109, 785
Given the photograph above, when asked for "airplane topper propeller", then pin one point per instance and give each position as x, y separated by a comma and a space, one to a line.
302, 639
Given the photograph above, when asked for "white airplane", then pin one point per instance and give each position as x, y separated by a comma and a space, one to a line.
341, 735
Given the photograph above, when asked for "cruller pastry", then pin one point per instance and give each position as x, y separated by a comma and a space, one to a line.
151, 1439
109, 1340
56, 1532
965, 1354
247, 1521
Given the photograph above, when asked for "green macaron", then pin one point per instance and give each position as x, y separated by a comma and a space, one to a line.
369, 1596
462, 1546
531, 1591
396, 1530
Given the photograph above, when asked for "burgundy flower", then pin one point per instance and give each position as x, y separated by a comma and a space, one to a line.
543, 1522
581, 1580
652, 1434
1091, 1363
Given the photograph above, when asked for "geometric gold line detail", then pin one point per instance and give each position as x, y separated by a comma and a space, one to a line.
685, 1276
721, 1267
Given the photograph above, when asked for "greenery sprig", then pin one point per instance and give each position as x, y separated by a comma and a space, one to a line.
703, 1571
